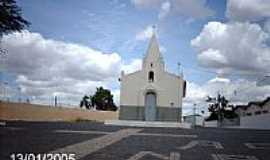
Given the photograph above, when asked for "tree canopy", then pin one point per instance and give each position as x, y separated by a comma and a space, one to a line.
85, 102
101, 100
220, 106
10, 17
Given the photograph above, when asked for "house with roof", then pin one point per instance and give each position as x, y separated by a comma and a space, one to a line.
254, 108
255, 114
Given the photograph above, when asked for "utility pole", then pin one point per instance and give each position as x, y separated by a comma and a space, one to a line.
3, 58
6, 91
180, 70
219, 109
55, 101
20, 96
194, 115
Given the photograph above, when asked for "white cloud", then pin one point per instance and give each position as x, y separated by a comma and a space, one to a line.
239, 91
190, 8
38, 58
248, 10
6, 91
212, 57
145, 34
147, 3
135, 65
233, 46
116, 96
220, 80
163, 49
195, 93
164, 10
46, 67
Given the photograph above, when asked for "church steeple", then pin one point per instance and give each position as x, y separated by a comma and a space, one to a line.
153, 56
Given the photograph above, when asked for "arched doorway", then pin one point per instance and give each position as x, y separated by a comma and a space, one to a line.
150, 106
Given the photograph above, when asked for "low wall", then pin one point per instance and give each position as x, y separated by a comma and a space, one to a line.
256, 122
210, 123
31, 112
199, 120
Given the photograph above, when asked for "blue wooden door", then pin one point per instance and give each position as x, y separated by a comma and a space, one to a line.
150, 107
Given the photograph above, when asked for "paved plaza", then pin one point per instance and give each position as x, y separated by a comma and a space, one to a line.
96, 141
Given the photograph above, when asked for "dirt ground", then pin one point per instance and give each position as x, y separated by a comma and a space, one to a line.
31, 112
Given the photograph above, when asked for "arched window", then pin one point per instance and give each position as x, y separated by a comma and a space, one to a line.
151, 76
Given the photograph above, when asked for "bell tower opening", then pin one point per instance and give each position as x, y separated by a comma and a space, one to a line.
151, 76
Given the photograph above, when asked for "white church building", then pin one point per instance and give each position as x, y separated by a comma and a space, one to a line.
152, 94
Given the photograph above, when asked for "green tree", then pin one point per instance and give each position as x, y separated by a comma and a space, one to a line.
221, 108
10, 17
85, 102
213, 109
103, 100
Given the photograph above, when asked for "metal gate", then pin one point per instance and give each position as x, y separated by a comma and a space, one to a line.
150, 106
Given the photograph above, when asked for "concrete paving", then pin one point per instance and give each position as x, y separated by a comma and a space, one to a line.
96, 141
147, 124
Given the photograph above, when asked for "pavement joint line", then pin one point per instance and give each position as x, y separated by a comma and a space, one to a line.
189, 145
14, 128
141, 154
232, 157
167, 135
203, 143
82, 132
135, 134
258, 145
87, 147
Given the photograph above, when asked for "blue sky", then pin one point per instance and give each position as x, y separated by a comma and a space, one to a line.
92, 23
120, 27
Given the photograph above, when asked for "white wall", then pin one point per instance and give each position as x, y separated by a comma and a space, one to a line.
210, 123
129, 90
257, 122
199, 120
168, 87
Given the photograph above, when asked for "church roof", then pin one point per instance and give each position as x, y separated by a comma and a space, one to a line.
153, 51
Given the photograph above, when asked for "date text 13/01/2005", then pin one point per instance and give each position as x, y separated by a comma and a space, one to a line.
49, 156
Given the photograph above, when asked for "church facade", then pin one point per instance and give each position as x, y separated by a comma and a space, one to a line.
151, 94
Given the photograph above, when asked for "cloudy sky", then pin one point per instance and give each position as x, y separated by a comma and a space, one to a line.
73, 47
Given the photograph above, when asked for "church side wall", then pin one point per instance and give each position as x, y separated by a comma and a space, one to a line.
171, 94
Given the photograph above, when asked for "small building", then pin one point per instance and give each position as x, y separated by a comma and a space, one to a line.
151, 94
255, 114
